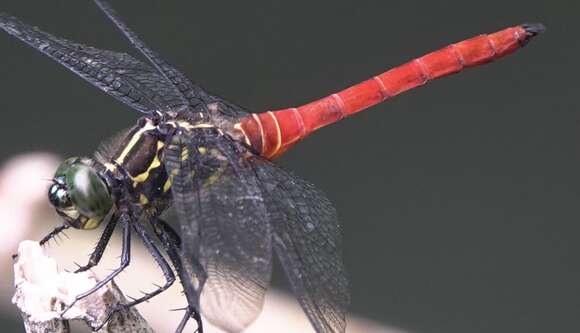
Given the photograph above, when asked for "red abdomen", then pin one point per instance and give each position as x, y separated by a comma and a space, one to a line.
272, 133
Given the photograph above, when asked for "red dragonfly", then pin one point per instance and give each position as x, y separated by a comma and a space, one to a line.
210, 161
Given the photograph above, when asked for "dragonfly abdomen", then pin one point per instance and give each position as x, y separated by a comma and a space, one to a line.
273, 132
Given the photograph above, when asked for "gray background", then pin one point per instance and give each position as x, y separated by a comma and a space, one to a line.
458, 200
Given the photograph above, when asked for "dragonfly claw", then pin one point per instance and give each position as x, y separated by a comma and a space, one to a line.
67, 308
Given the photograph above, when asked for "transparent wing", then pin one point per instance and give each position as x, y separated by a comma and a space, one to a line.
244, 205
307, 240
222, 207
118, 74
227, 109
192, 92
186, 205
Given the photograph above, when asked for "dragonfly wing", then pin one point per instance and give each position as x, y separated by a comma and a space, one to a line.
118, 74
227, 109
192, 92
244, 206
184, 189
223, 208
307, 240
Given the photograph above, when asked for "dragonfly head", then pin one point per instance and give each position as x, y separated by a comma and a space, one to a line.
79, 194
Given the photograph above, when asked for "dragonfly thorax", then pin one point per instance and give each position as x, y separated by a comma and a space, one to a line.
80, 194
140, 157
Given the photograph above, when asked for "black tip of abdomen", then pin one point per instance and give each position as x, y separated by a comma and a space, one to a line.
533, 29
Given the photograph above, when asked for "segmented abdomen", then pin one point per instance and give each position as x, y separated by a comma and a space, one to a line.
272, 133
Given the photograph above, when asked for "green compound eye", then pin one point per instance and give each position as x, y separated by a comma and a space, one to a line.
88, 192
79, 194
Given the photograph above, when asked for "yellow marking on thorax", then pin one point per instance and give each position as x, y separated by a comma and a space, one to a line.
184, 154
167, 185
72, 213
91, 223
203, 126
169, 180
143, 199
189, 126
154, 165
134, 139
214, 177
110, 166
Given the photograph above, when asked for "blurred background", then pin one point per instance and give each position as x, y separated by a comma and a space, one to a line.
458, 201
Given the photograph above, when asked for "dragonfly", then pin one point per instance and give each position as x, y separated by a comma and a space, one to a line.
210, 161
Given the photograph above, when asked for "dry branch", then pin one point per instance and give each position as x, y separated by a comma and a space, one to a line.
42, 292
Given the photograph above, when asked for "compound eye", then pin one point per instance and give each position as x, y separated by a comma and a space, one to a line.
58, 196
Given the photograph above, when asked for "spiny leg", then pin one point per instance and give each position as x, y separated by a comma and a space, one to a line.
101, 246
185, 269
57, 231
171, 242
125, 221
161, 262
190, 312
159, 259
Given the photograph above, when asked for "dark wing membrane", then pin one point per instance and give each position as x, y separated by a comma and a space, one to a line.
179, 169
117, 74
227, 109
192, 92
307, 241
222, 206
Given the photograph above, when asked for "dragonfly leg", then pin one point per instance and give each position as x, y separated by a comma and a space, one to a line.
101, 246
161, 262
187, 270
190, 313
171, 242
126, 222
57, 231
54, 233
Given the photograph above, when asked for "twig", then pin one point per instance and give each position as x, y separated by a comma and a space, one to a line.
42, 293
